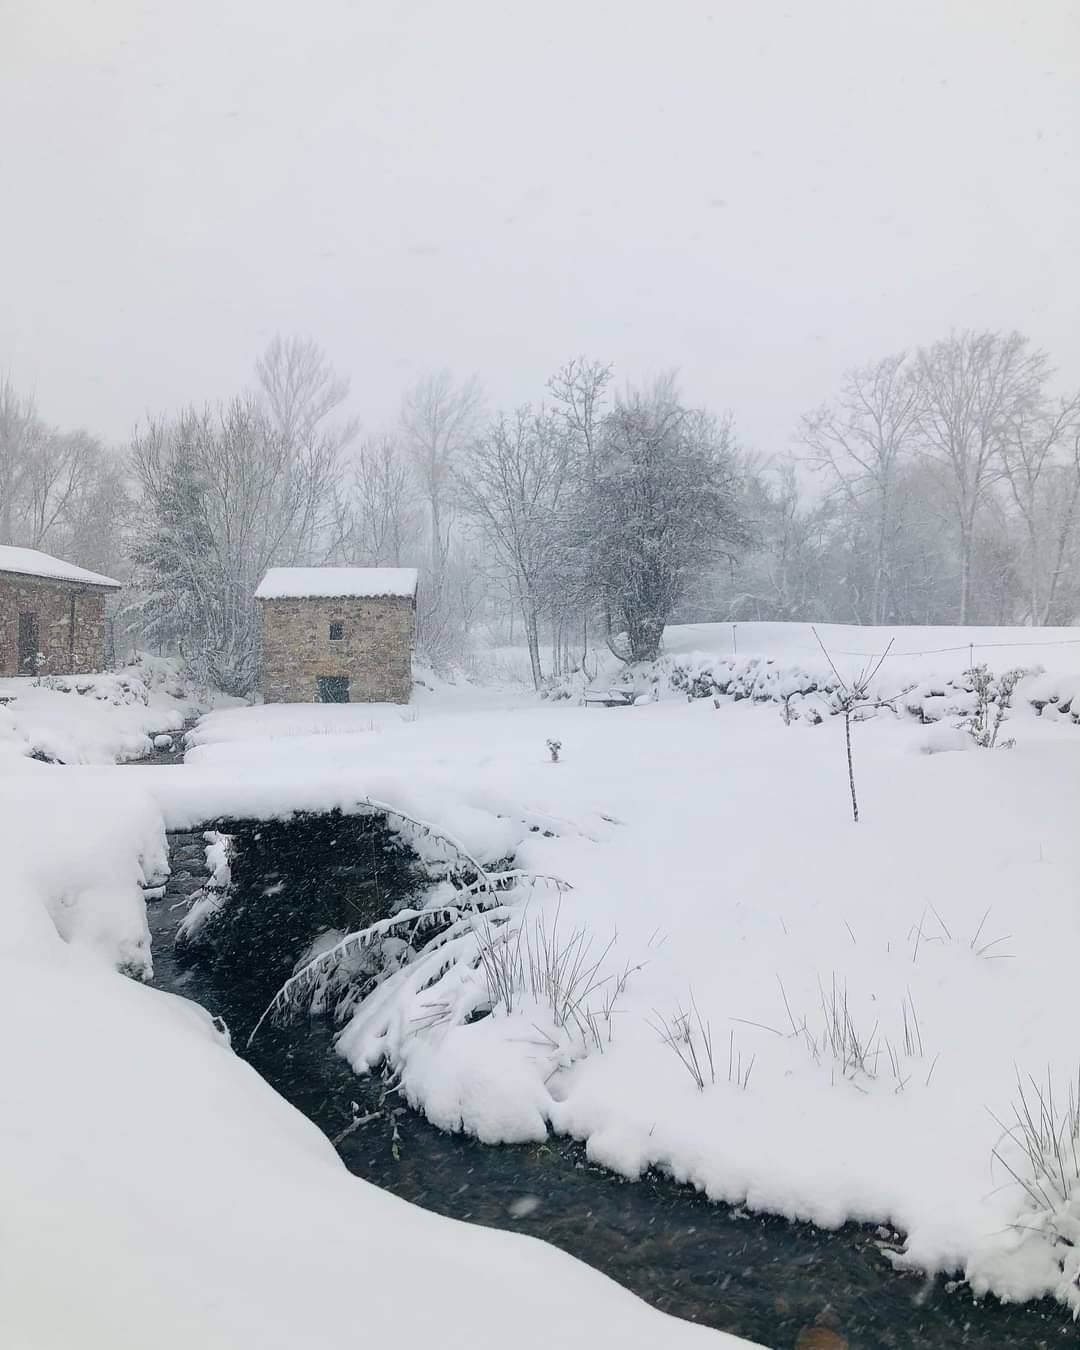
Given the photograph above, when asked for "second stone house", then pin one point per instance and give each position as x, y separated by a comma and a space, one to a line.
337, 634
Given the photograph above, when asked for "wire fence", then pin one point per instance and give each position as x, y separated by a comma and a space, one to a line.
968, 647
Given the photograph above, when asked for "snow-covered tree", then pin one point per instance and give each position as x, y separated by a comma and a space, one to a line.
224, 496
658, 502
174, 559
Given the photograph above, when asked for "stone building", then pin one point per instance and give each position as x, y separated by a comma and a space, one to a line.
337, 634
52, 615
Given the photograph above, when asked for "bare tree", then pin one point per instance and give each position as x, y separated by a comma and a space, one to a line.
579, 393
579, 390
1040, 457
511, 484
855, 700
299, 389
58, 471
97, 516
438, 418
861, 441
973, 388
387, 525
21, 433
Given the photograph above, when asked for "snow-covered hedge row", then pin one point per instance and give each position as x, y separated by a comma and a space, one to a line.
807, 692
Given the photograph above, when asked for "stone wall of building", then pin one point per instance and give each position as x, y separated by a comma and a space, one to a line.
374, 652
67, 650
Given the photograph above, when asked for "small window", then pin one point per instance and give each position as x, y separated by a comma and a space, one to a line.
337, 632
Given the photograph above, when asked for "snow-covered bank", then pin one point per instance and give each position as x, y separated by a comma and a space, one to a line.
156, 1192
95, 719
716, 847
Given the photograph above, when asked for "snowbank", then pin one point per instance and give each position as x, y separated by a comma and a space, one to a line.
157, 1192
95, 719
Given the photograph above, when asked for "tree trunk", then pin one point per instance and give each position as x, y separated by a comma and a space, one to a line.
534, 650
878, 602
645, 635
965, 571
1033, 579
530, 620
850, 768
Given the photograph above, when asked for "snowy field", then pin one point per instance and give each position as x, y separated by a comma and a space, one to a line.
869, 993
885, 981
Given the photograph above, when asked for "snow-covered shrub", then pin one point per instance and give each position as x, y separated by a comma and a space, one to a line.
993, 696
804, 694
1040, 1151
465, 954
206, 902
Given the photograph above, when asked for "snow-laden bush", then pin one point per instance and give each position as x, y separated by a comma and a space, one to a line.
993, 696
120, 689
804, 694
1040, 1152
466, 952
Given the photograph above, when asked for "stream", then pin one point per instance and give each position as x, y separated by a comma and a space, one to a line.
779, 1283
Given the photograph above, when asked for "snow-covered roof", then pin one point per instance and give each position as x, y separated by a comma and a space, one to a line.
29, 562
305, 583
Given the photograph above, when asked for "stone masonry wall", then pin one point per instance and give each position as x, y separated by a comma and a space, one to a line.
374, 653
51, 601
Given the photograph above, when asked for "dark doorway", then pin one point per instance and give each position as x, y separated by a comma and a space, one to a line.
333, 689
29, 641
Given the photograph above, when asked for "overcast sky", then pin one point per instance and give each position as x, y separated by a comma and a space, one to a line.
757, 192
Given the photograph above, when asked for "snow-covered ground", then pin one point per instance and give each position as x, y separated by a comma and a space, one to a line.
95, 719
870, 992
155, 1191
714, 847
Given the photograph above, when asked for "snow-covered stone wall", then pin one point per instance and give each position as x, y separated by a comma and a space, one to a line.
67, 628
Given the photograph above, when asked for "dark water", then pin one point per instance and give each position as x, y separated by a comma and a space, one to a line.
781, 1284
